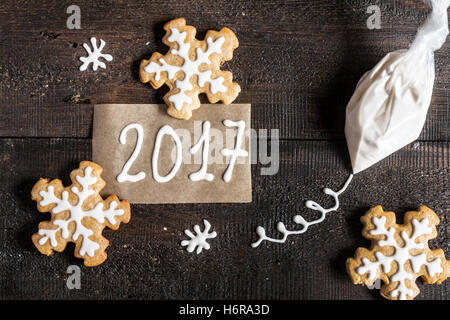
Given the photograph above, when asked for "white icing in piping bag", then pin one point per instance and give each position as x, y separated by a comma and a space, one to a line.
387, 110
389, 106
260, 231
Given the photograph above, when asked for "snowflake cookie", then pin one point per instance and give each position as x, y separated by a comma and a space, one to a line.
78, 214
399, 253
191, 67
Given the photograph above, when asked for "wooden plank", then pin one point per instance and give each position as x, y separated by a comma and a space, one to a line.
298, 61
145, 257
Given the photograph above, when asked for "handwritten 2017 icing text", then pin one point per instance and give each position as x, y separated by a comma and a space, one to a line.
201, 174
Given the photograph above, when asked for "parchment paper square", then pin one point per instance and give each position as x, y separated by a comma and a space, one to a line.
110, 119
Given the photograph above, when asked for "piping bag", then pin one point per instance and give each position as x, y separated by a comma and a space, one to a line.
387, 110
389, 106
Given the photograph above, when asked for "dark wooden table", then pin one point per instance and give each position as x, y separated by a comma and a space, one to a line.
298, 63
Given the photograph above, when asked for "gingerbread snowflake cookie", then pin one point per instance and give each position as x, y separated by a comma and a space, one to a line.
191, 67
79, 214
399, 253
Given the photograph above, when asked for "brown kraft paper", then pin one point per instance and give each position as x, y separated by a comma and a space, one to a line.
109, 121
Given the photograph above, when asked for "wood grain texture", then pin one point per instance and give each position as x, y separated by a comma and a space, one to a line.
298, 63
147, 261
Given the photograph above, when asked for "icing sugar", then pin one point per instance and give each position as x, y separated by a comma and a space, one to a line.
260, 231
204, 139
237, 151
163, 131
124, 176
94, 55
199, 239
389, 106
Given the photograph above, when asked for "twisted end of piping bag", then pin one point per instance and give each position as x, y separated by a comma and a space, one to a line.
433, 33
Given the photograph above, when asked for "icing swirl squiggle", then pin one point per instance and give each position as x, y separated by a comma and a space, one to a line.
261, 232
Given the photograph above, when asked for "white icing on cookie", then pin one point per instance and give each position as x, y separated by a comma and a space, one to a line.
260, 231
94, 55
204, 139
199, 239
237, 151
163, 131
189, 67
401, 256
77, 214
124, 176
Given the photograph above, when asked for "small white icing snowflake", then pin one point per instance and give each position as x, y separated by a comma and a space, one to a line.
199, 239
399, 253
94, 55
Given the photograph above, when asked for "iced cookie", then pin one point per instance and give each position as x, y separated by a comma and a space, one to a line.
78, 214
191, 67
399, 253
